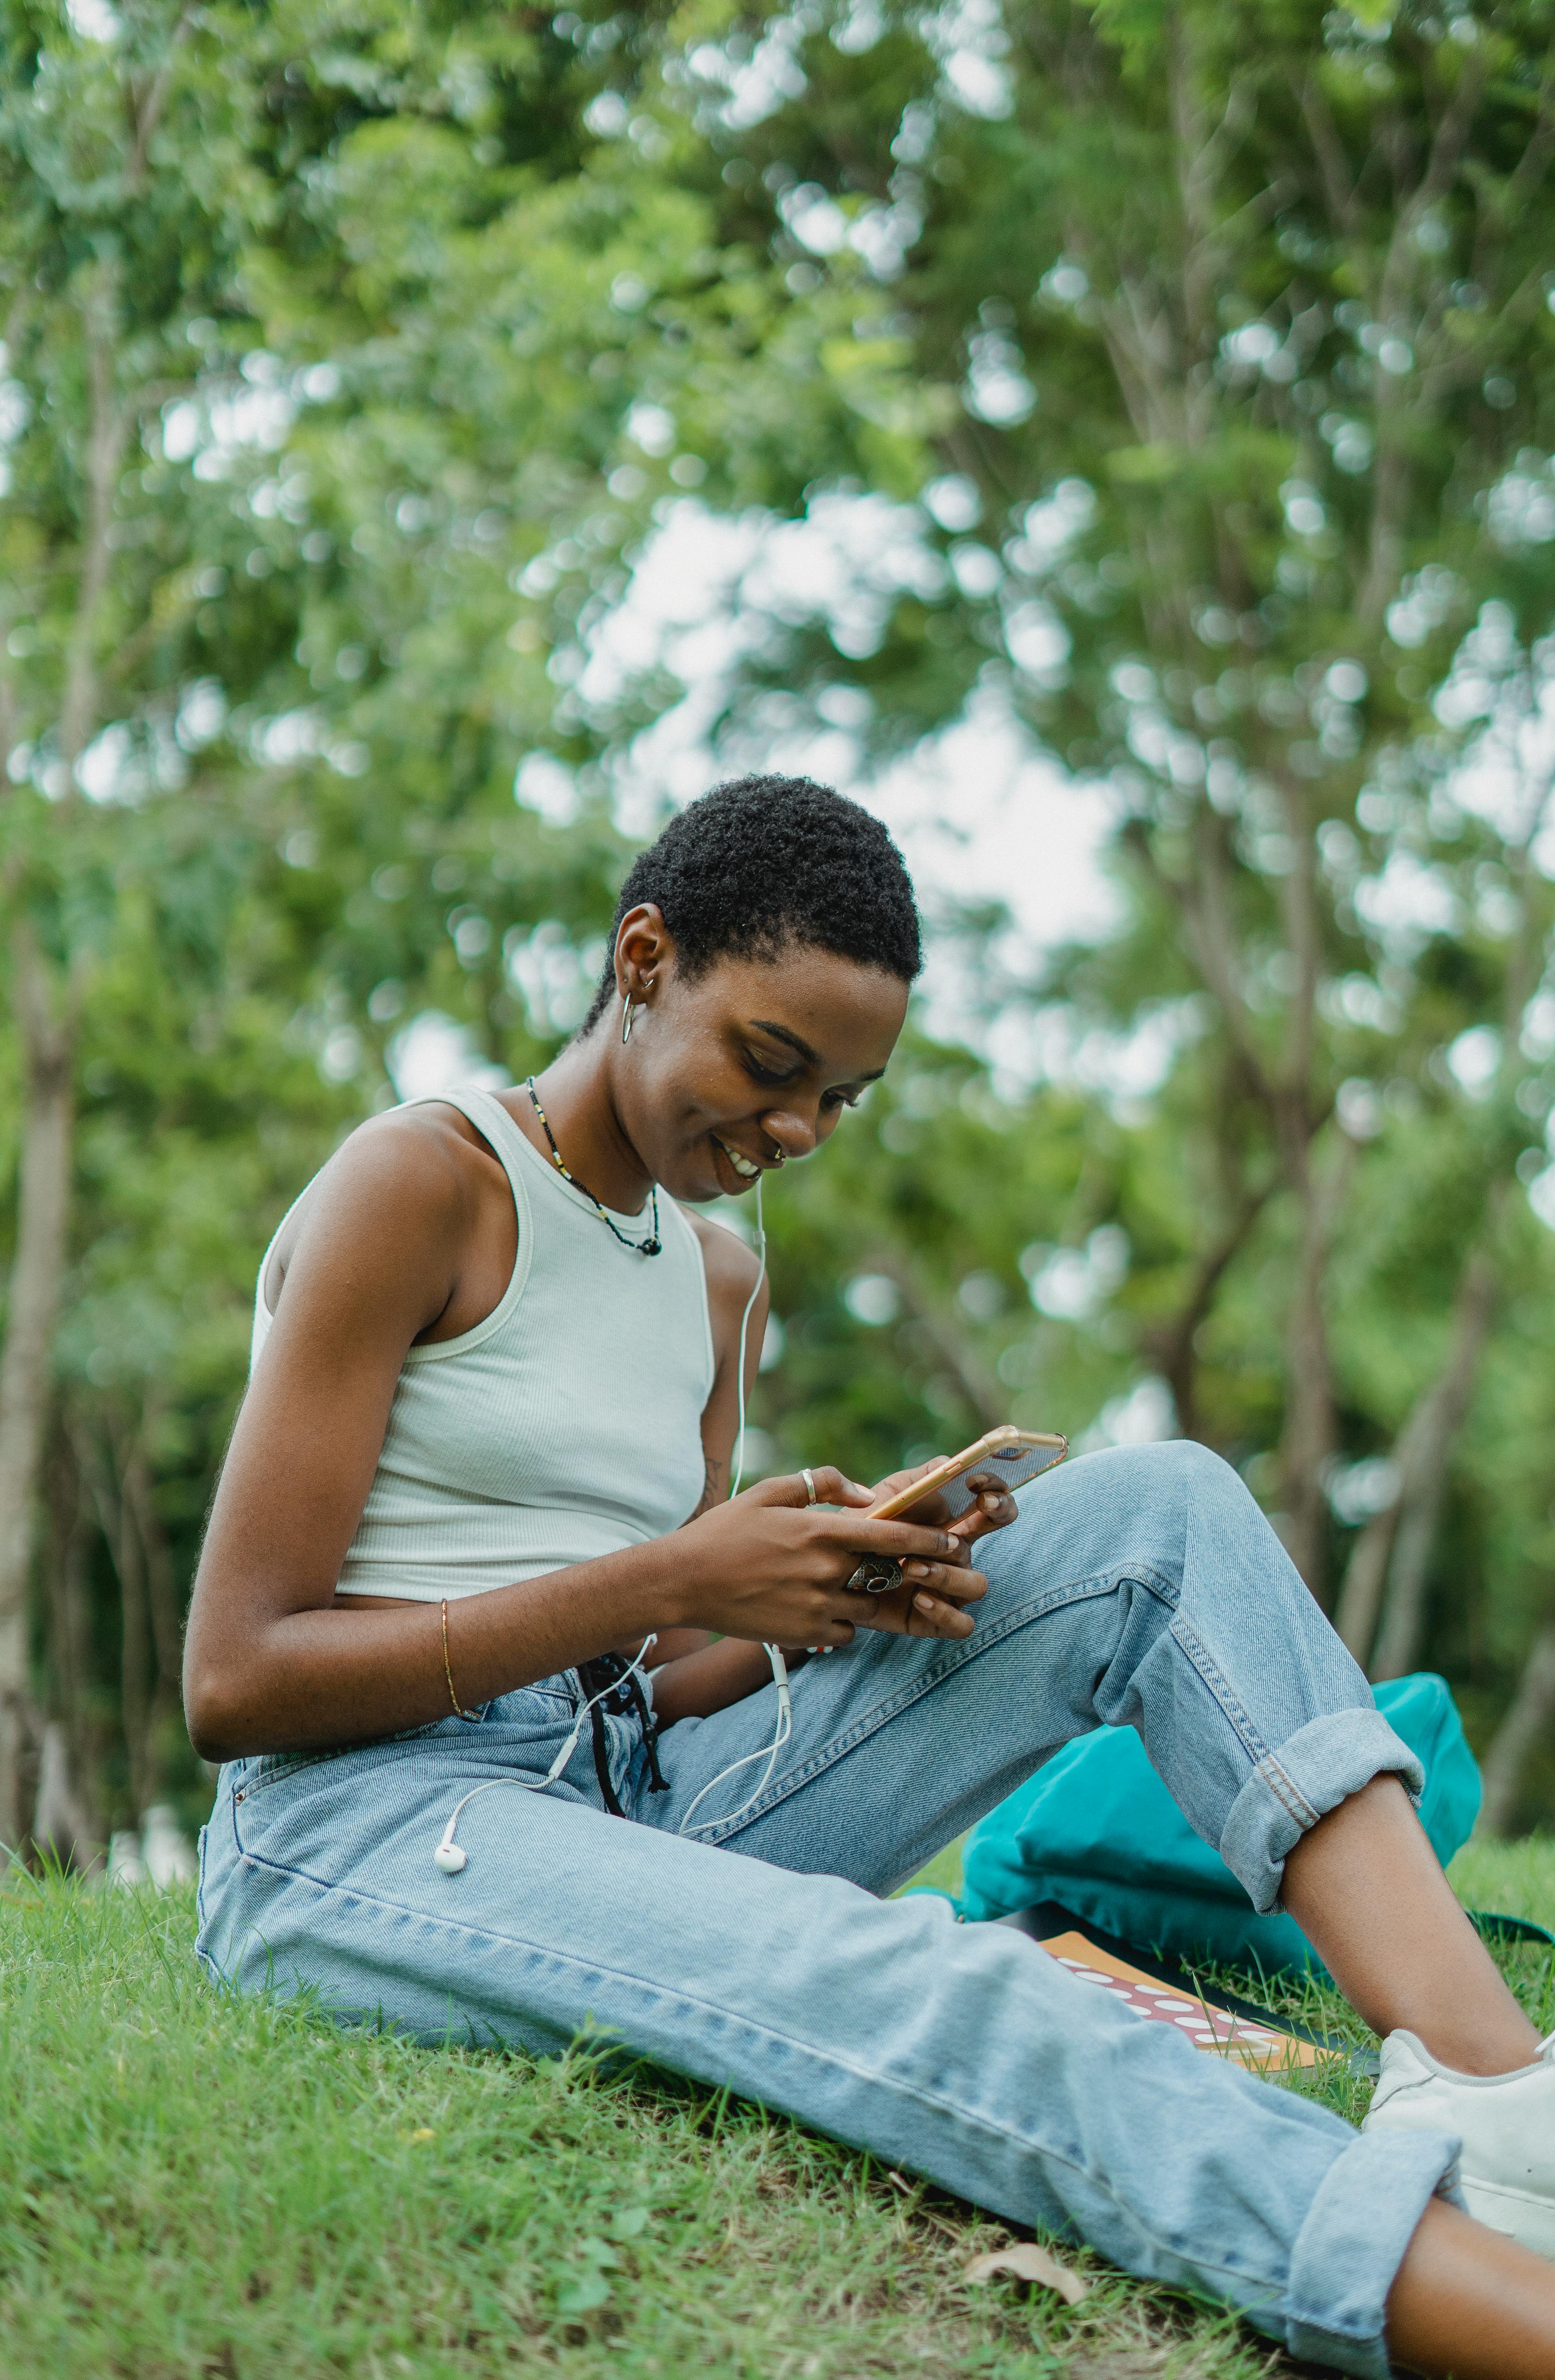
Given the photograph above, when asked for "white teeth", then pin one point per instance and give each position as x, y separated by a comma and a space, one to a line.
742, 1165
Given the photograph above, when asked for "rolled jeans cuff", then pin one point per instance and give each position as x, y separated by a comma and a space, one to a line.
1313, 1771
1349, 2249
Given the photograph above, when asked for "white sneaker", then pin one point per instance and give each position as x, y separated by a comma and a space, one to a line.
1505, 2121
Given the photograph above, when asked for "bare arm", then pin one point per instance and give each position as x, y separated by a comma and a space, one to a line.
274, 1662
694, 1681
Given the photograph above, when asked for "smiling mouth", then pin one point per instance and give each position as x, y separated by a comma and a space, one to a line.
743, 1167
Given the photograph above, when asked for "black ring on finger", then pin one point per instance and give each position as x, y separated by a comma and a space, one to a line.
876, 1574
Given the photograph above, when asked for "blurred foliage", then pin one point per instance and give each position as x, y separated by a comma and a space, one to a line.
1171, 381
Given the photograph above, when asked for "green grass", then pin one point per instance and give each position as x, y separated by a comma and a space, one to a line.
198, 2188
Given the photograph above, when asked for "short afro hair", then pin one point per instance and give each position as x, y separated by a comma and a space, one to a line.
765, 862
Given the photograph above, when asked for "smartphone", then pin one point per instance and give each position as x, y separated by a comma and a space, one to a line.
1010, 1456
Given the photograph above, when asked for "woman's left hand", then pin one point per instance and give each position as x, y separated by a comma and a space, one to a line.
922, 1612
995, 1508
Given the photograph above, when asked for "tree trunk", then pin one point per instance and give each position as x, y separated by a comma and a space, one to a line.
1420, 1453
47, 1034
65, 1820
62, 1824
116, 1473
1365, 1573
135, 1660
45, 1009
162, 1617
1432, 1429
1311, 1431
1172, 1342
1531, 1711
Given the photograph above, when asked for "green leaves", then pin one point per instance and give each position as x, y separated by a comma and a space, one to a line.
354, 361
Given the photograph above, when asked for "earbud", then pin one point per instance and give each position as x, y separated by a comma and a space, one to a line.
449, 1857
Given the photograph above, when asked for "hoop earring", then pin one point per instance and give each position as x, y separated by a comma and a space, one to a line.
629, 1016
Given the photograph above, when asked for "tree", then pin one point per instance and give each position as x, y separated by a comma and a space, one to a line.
321, 338
123, 206
1171, 379
1239, 320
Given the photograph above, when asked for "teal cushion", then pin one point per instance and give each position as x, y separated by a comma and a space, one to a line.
1098, 1830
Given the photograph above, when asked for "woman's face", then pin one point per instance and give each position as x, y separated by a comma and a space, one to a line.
749, 1064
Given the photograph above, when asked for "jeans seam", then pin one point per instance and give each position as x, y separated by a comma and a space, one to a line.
974, 2119
1292, 1799
1220, 1686
883, 1712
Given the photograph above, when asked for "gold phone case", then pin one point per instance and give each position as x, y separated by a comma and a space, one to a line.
1012, 1456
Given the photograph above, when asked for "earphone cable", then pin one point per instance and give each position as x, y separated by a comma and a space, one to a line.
745, 1324
785, 1728
451, 1856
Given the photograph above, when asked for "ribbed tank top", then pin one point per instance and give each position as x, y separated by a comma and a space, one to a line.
565, 1424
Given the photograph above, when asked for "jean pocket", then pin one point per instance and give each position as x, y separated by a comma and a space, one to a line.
277, 1768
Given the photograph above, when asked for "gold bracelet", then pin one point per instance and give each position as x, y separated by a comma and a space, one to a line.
459, 1712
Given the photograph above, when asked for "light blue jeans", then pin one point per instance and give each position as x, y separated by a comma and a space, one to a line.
1139, 1588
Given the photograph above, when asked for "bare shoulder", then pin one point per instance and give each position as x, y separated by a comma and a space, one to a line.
733, 1269
425, 1160
434, 1151
402, 1181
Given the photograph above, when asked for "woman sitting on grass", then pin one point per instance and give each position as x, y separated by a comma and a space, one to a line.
485, 1456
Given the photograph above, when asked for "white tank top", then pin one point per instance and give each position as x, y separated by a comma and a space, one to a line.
566, 1425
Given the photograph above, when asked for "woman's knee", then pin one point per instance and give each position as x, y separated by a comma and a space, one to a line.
1109, 1513
1187, 1509
1170, 1471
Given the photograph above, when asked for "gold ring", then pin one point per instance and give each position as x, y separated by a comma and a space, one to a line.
809, 1478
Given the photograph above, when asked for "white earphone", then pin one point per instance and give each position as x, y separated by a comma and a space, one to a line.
785, 1728
452, 1857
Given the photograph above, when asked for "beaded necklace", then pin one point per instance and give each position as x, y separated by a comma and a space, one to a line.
649, 1247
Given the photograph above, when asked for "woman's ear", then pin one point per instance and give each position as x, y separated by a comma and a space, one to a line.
644, 951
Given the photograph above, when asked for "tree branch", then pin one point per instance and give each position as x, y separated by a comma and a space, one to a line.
1307, 1444
146, 113
1425, 1447
1298, 908
1328, 148
1171, 1343
1530, 168
1206, 928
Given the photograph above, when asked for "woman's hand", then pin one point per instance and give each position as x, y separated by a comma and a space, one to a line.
770, 1567
995, 1508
